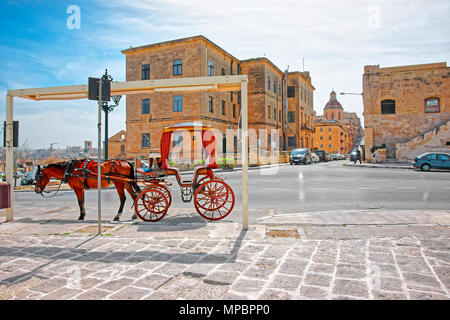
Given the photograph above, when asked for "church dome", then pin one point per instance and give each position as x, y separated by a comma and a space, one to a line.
333, 103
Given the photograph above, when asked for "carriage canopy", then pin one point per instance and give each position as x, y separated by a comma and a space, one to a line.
208, 141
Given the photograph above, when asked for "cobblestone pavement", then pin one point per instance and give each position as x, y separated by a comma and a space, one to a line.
220, 261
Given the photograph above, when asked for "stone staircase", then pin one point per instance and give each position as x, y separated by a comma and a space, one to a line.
436, 139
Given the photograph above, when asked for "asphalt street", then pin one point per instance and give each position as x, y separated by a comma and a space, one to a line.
294, 189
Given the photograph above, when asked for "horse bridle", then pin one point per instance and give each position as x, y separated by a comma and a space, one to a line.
38, 178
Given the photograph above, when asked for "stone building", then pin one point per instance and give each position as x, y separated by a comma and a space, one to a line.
406, 110
332, 136
147, 114
300, 113
336, 131
117, 145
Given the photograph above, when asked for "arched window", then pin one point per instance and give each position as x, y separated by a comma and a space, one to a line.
388, 107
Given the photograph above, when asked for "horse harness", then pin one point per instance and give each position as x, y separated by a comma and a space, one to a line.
87, 173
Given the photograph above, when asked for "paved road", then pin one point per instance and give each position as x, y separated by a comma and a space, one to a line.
294, 189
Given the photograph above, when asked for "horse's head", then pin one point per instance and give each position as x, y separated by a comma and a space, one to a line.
41, 180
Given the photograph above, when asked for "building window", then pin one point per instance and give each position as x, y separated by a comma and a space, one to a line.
177, 104
329, 146
268, 112
122, 149
388, 107
231, 67
329, 129
210, 104
329, 137
224, 73
275, 84
268, 84
321, 145
145, 106
145, 71
292, 142
145, 142
321, 129
223, 107
291, 116
177, 139
210, 68
432, 105
321, 137
231, 96
291, 92
234, 110
274, 114
177, 67
279, 115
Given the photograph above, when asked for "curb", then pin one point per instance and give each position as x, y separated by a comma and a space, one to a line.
379, 166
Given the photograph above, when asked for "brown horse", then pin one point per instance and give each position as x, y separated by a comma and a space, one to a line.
82, 174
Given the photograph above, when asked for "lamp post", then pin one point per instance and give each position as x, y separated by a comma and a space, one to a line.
107, 108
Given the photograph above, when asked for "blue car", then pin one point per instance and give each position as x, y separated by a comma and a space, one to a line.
430, 160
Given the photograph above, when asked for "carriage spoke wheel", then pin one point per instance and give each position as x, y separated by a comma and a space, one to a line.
165, 191
206, 178
214, 199
151, 205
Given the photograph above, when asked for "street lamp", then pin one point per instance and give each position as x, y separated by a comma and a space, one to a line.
107, 108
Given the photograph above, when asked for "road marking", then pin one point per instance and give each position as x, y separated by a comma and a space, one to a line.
362, 188
407, 188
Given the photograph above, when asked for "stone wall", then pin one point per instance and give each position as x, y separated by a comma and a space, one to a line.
434, 140
409, 86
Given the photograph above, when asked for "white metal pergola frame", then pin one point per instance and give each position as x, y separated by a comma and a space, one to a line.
220, 83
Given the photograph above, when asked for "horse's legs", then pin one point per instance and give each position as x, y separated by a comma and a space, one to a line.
120, 190
133, 195
80, 196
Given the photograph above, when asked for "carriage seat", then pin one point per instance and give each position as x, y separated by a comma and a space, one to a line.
199, 170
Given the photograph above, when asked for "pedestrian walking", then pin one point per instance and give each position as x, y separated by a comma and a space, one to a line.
375, 155
358, 156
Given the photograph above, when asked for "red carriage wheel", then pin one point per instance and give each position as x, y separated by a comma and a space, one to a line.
214, 199
206, 178
151, 205
164, 190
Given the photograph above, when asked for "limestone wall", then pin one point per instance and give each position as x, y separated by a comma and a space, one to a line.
432, 141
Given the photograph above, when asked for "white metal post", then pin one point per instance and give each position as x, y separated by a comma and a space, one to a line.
10, 155
244, 145
99, 162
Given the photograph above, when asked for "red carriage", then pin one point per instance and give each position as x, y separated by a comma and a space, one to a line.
213, 198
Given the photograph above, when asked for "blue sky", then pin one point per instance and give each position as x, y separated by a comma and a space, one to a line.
336, 38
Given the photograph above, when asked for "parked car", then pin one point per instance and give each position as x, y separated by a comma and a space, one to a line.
352, 156
27, 179
300, 156
315, 158
430, 160
322, 155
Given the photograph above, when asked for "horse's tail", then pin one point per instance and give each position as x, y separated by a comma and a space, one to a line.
133, 182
